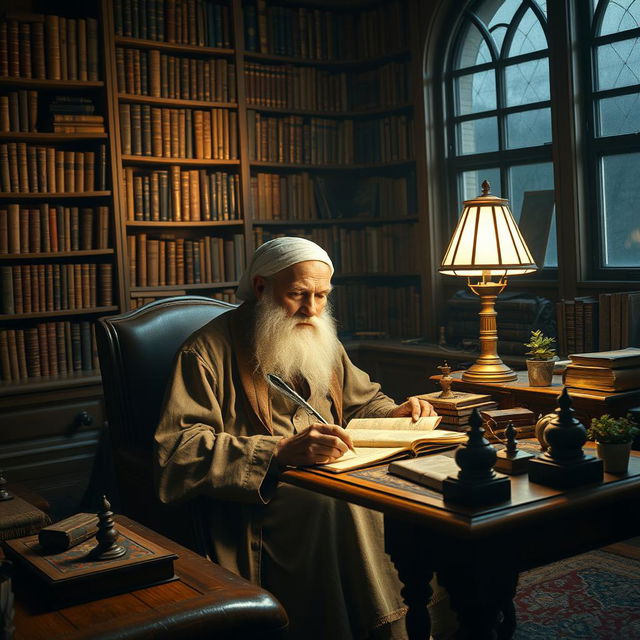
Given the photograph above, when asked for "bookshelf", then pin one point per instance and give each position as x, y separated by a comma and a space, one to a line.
58, 252
154, 145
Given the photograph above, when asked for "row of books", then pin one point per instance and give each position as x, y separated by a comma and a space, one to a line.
193, 22
608, 321
19, 111
394, 311
322, 34
47, 349
27, 168
49, 47
604, 372
179, 133
167, 260
384, 249
77, 123
181, 195
34, 288
227, 295
298, 140
51, 229
292, 87
365, 197
300, 196
152, 73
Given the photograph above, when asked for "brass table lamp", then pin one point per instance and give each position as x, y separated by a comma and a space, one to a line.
487, 243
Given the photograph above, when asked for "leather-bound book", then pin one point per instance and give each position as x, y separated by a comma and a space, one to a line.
38, 50
72, 49
68, 532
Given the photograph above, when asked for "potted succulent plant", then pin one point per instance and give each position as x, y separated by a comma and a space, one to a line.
541, 360
613, 438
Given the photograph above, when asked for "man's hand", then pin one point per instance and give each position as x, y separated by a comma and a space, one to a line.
317, 444
414, 407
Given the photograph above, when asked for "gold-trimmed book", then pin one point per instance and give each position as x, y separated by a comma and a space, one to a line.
378, 440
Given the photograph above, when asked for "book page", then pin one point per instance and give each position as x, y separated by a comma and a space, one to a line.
401, 438
362, 457
426, 423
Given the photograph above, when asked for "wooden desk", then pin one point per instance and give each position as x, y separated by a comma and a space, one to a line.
543, 399
205, 602
478, 552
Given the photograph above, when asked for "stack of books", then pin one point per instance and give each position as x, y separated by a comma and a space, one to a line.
456, 412
495, 422
604, 372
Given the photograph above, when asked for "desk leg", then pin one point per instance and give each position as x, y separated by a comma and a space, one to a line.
405, 544
482, 595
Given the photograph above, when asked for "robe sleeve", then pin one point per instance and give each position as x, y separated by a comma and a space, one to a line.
361, 397
194, 455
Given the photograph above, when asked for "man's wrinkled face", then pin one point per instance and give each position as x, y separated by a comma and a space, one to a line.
301, 290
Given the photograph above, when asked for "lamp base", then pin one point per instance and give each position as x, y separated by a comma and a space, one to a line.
489, 372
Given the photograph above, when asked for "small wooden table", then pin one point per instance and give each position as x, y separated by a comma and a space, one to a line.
206, 601
543, 399
478, 552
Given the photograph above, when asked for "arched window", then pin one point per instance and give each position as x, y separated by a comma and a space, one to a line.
498, 113
614, 149
498, 109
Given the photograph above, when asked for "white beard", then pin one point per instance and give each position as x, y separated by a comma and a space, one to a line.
291, 351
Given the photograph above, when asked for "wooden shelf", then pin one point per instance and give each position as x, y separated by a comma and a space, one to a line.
131, 97
184, 223
56, 254
333, 221
362, 62
20, 195
59, 313
49, 136
139, 43
377, 275
50, 383
330, 167
331, 114
184, 161
162, 290
33, 83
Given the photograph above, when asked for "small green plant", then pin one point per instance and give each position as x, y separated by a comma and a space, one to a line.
612, 430
540, 346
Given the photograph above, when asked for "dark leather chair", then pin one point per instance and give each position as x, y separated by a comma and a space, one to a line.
136, 352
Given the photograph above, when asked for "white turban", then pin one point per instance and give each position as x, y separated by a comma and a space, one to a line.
276, 255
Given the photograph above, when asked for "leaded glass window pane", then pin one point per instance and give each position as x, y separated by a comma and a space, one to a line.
470, 184
620, 15
528, 37
529, 128
531, 178
619, 115
476, 92
478, 136
527, 82
618, 64
474, 51
620, 179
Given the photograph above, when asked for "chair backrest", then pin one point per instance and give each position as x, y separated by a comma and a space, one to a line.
136, 352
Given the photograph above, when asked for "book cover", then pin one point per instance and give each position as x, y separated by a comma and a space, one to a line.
429, 471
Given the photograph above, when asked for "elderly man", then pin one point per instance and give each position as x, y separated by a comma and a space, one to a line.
225, 434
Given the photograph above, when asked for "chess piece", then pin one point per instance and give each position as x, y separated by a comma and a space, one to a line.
564, 464
4, 494
511, 460
476, 482
107, 536
445, 381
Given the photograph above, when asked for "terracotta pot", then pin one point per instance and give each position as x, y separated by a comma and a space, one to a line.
540, 372
615, 457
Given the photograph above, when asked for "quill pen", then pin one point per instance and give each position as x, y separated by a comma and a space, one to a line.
285, 389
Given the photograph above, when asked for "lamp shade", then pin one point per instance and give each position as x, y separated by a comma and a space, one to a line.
487, 241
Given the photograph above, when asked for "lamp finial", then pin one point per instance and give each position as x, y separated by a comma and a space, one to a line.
486, 188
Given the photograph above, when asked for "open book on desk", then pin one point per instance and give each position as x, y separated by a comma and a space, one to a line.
377, 440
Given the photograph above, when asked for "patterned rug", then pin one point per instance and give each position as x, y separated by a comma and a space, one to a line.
593, 596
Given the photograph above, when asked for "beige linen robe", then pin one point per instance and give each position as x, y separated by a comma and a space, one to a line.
322, 558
